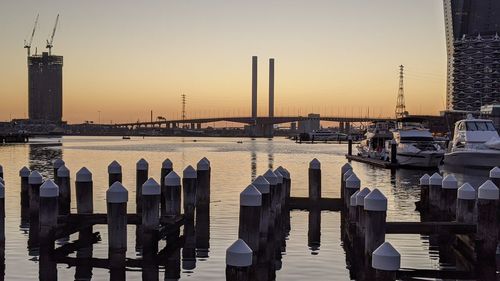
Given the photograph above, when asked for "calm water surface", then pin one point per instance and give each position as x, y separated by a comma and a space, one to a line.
234, 165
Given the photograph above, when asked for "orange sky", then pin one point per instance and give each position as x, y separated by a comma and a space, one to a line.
125, 58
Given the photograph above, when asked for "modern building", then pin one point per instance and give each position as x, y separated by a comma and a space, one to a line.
45, 88
473, 44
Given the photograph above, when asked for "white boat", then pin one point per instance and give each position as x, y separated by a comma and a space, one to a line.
326, 135
416, 146
376, 135
476, 143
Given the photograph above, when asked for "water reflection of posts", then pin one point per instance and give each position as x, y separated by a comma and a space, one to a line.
35, 181
189, 250
173, 207
84, 205
116, 198
2, 226
64, 190
203, 208
24, 173
249, 221
314, 230
114, 173
49, 193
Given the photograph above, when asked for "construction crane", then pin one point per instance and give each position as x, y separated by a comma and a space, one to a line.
27, 44
49, 43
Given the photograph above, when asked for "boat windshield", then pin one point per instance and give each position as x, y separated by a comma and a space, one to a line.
479, 126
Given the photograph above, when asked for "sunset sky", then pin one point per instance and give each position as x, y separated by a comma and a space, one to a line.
125, 58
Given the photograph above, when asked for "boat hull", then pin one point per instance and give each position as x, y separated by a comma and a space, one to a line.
473, 159
420, 160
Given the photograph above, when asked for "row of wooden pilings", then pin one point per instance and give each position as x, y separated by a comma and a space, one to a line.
158, 210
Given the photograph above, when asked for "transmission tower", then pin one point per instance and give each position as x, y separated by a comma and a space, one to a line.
400, 105
183, 96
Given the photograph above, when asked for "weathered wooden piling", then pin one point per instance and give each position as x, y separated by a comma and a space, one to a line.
35, 180
141, 176
116, 198
151, 193
262, 186
84, 192
314, 180
49, 193
487, 221
189, 191
281, 187
424, 192
375, 212
360, 202
394, 152
349, 146
250, 216
203, 182
114, 173
1, 171
448, 203
64, 190
24, 173
344, 177
271, 177
166, 168
172, 194
435, 185
386, 261
286, 184
352, 184
353, 216
2, 222
56, 165
495, 176
238, 261
466, 202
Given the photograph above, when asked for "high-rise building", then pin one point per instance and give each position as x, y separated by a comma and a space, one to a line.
45, 88
473, 44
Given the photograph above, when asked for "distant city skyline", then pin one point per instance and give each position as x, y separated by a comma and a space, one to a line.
125, 58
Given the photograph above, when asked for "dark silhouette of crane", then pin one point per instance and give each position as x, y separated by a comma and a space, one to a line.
50, 42
27, 44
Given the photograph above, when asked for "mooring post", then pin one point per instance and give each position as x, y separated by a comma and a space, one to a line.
56, 165
203, 182
352, 184
487, 221
24, 173
435, 185
314, 180
64, 190
281, 188
116, 198
286, 186
151, 193
238, 261
173, 194
349, 146
353, 215
2, 223
495, 176
375, 219
346, 168
35, 180
189, 191
84, 192
49, 193
424, 192
386, 261
360, 203
466, 202
271, 177
141, 176
262, 186
166, 168
1, 171
448, 202
114, 173
250, 215
394, 152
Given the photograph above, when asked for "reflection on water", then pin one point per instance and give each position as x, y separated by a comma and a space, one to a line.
41, 157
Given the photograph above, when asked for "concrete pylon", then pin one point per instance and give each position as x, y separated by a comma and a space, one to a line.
254, 87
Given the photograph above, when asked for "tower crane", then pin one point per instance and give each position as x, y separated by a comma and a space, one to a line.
49, 43
27, 44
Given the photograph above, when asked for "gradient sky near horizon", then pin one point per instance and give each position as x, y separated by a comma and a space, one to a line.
123, 58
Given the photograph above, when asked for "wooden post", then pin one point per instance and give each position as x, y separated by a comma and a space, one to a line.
375, 217
466, 202
281, 187
141, 176
271, 177
238, 261
314, 229
2, 223
262, 186
173, 194
189, 192
346, 167
448, 202
435, 185
1, 171
424, 192
360, 202
349, 146
24, 173
203, 182
166, 168
151, 193
286, 185
495, 176
56, 165
64, 190
353, 214
314, 180
116, 198
394, 152
250, 215
386, 261
49, 193
35, 180
84, 192
487, 221
114, 173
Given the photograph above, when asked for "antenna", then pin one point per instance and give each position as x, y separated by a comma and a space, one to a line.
27, 44
183, 96
50, 43
400, 105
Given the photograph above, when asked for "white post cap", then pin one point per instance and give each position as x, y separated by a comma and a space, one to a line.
360, 197
284, 172
495, 173
172, 179
315, 164
239, 254
63, 172
58, 163
347, 174
488, 190
261, 184
35, 178
189, 173
24, 172
251, 197
206, 159
84, 175
116, 193
167, 164
436, 179
353, 182
203, 165
450, 182
375, 201
2, 190
424, 180
114, 168
151, 187
386, 258
49, 189
346, 167
142, 165
352, 200
279, 176
271, 177
466, 192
